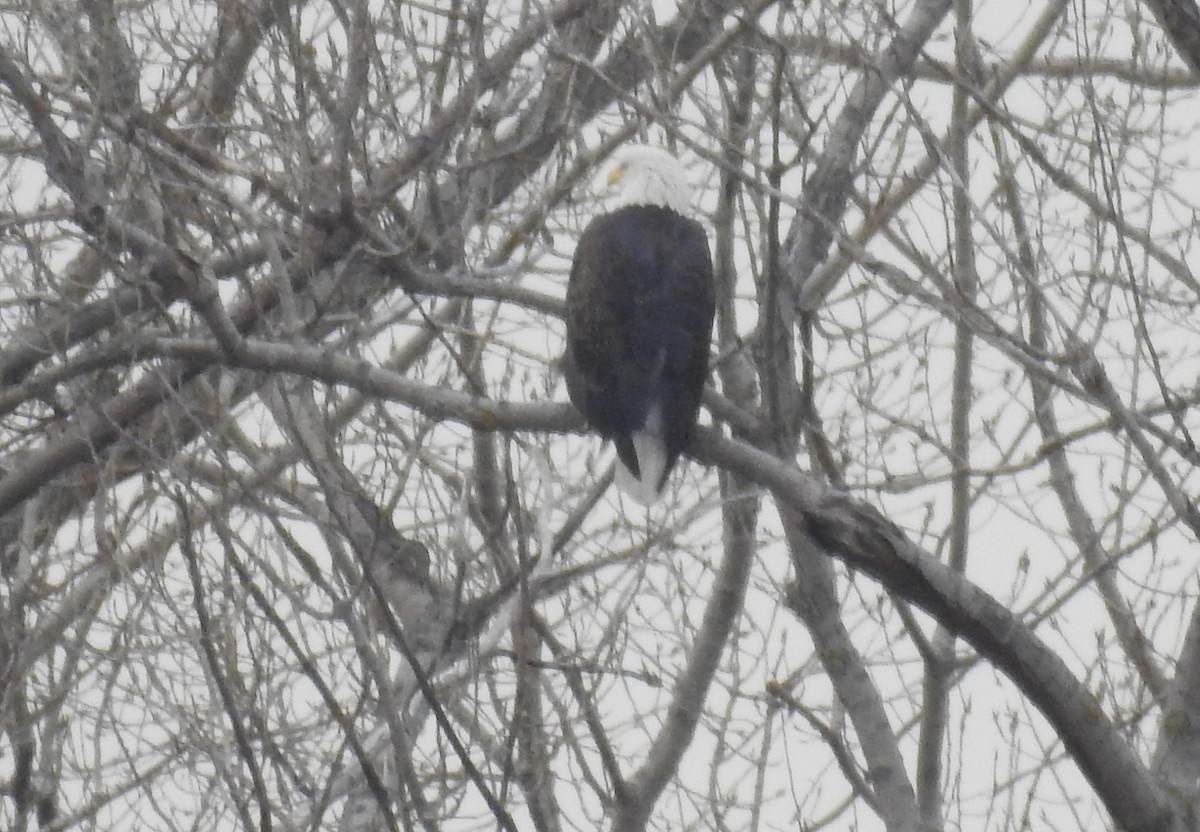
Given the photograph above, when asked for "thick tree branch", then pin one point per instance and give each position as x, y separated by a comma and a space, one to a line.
812, 595
1177, 756
863, 538
1180, 19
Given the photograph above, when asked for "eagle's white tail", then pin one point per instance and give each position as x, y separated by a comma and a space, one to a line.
650, 445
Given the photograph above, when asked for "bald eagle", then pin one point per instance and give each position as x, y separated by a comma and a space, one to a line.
640, 305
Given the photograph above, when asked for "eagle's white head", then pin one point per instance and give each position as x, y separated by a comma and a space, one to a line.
650, 176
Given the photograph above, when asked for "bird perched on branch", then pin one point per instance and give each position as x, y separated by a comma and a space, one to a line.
640, 306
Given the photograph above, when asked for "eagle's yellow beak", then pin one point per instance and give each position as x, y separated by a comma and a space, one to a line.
614, 175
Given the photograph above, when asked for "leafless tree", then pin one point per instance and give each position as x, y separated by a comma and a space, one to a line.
297, 530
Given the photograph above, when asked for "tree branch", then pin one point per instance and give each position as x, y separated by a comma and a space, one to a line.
812, 595
864, 539
1180, 19
828, 188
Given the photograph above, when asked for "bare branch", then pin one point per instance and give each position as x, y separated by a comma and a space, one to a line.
1180, 19
643, 786
813, 597
828, 188
863, 538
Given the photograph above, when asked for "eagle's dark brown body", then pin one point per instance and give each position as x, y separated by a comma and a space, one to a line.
640, 307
